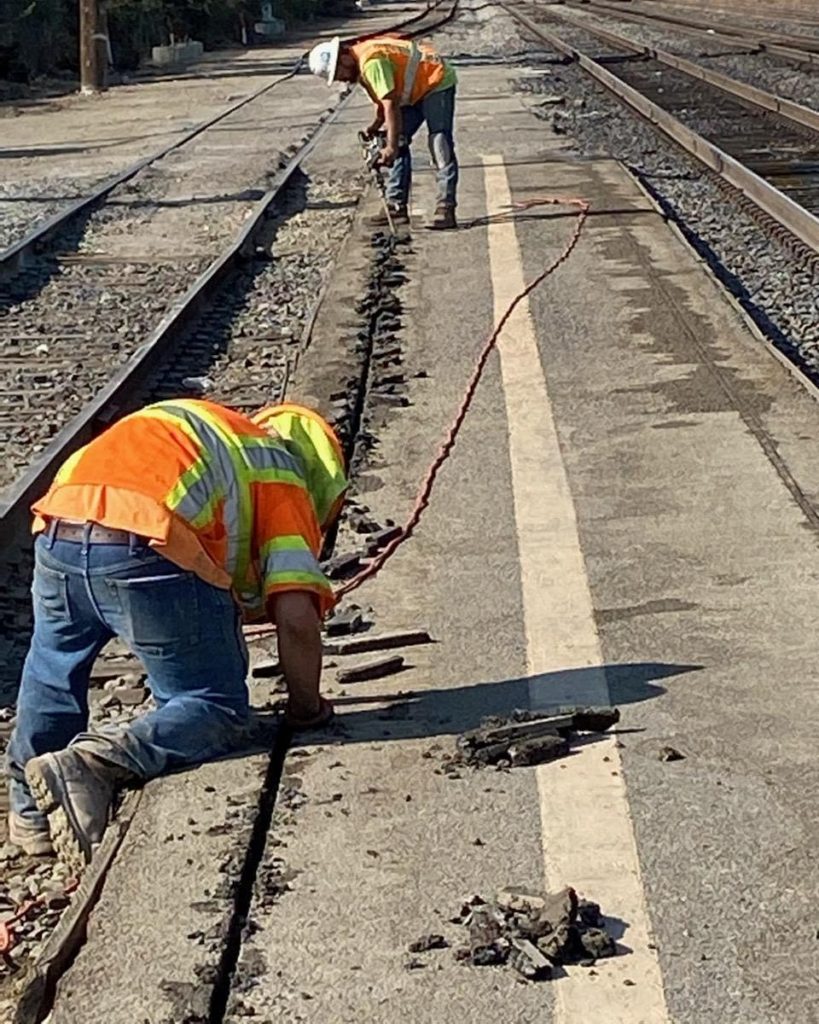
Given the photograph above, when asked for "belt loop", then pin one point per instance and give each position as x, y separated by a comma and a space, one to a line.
133, 544
51, 532
86, 536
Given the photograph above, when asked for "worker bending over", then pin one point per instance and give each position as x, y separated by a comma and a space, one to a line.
168, 530
409, 84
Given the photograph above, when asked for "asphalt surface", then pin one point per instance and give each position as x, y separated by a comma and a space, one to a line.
687, 450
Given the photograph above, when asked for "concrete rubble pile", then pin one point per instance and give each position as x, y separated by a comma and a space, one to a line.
531, 932
528, 737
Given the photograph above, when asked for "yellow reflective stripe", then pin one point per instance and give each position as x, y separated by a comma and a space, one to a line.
315, 579
177, 493
64, 472
207, 513
286, 542
276, 476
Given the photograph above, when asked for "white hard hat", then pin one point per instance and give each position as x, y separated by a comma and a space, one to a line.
323, 59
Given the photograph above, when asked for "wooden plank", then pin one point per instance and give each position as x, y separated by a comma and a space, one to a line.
63, 943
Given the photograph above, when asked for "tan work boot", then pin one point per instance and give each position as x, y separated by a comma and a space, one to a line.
398, 212
32, 839
75, 790
444, 218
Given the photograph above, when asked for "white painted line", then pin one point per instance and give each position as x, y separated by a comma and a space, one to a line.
588, 839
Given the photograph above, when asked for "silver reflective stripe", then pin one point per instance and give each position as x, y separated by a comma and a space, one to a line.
220, 478
297, 560
411, 72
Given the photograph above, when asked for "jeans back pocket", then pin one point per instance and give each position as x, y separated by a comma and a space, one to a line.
160, 614
49, 591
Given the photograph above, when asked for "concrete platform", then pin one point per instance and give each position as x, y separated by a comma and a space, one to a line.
629, 514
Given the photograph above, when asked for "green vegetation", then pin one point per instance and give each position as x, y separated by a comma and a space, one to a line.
39, 37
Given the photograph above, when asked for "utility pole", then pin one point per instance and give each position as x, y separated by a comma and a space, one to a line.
92, 49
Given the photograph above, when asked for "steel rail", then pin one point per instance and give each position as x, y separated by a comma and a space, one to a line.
15, 256
769, 12
804, 117
162, 341
739, 38
794, 218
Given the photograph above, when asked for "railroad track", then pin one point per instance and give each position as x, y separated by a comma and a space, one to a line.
799, 49
762, 145
89, 336
245, 311
84, 311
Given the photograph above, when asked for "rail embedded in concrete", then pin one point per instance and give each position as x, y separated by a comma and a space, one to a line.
800, 115
794, 218
157, 347
119, 390
15, 256
738, 37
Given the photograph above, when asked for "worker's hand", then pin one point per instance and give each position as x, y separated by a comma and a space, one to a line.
298, 627
387, 156
372, 130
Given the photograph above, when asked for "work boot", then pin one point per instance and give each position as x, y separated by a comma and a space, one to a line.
33, 839
444, 218
75, 790
398, 212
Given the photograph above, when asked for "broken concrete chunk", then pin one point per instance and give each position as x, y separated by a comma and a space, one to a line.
382, 538
266, 669
530, 737
584, 719
131, 695
382, 642
532, 931
557, 910
670, 754
341, 566
562, 945
490, 734
595, 719
538, 750
427, 942
597, 943
371, 670
518, 900
485, 938
527, 960
588, 914
348, 620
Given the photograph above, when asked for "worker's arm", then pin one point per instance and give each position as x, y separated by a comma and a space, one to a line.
377, 123
392, 119
298, 626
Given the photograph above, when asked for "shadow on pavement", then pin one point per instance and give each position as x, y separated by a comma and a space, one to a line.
419, 714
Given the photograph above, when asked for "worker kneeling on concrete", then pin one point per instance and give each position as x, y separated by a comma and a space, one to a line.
409, 84
167, 530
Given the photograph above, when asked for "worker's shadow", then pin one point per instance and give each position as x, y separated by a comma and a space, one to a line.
399, 714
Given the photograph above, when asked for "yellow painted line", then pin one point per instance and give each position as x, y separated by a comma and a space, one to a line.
588, 838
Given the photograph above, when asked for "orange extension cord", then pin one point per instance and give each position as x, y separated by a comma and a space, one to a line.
451, 435
425, 490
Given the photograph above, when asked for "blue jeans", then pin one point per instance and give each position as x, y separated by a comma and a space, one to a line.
186, 632
438, 110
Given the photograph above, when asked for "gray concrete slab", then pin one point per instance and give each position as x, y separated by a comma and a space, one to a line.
384, 848
679, 433
683, 440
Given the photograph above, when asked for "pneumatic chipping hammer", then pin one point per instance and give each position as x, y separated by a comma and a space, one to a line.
371, 146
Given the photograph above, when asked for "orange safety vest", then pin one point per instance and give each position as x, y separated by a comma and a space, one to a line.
241, 503
418, 69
